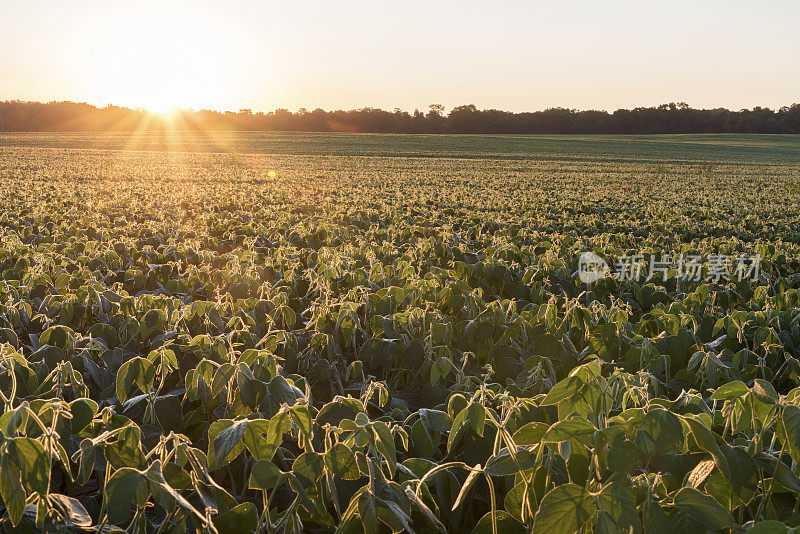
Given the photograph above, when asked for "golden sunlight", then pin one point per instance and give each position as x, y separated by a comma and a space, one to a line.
161, 65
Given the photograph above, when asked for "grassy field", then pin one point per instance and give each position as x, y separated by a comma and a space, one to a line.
303, 332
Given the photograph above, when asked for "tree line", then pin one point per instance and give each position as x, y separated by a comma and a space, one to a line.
20, 116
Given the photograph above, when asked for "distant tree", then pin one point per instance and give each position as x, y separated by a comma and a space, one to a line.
436, 109
666, 118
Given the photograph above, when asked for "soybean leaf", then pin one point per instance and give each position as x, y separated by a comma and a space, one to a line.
506, 524
225, 441
308, 468
764, 391
11, 489
503, 463
368, 513
262, 438
564, 510
242, 518
705, 440
435, 420
568, 429
126, 487
384, 442
265, 475
769, 526
530, 434
341, 461
30, 458
788, 430
732, 390
703, 509
562, 390
136, 371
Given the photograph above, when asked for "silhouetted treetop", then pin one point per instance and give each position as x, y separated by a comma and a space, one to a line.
19, 116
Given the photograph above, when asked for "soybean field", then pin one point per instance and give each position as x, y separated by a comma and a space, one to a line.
289, 332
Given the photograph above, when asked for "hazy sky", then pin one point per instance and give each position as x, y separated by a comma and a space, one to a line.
515, 55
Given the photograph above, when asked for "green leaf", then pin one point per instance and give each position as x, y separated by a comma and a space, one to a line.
431, 515
390, 513
308, 468
30, 458
154, 321
530, 434
660, 432
221, 378
781, 472
11, 489
466, 486
435, 420
384, 442
265, 475
176, 476
516, 498
288, 316
743, 475
562, 390
476, 417
301, 416
126, 487
503, 463
732, 390
368, 513
71, 511
506, 524
421, 440
58, 336
82, 411
341, 461
340, 408
225, 441
167, 409
764, 391
126, 450
705, 440
615, 500
703, 509
768, 527
568, 429
138, 371
458, 421
564, 510
654, 520
242, 518
788, 430
262, 438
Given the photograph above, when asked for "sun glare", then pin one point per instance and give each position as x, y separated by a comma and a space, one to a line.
161, 65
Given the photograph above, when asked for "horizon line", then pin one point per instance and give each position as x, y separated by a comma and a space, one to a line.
178, 109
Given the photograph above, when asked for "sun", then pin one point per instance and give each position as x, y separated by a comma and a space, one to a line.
161, 107
161, 65
160, 82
